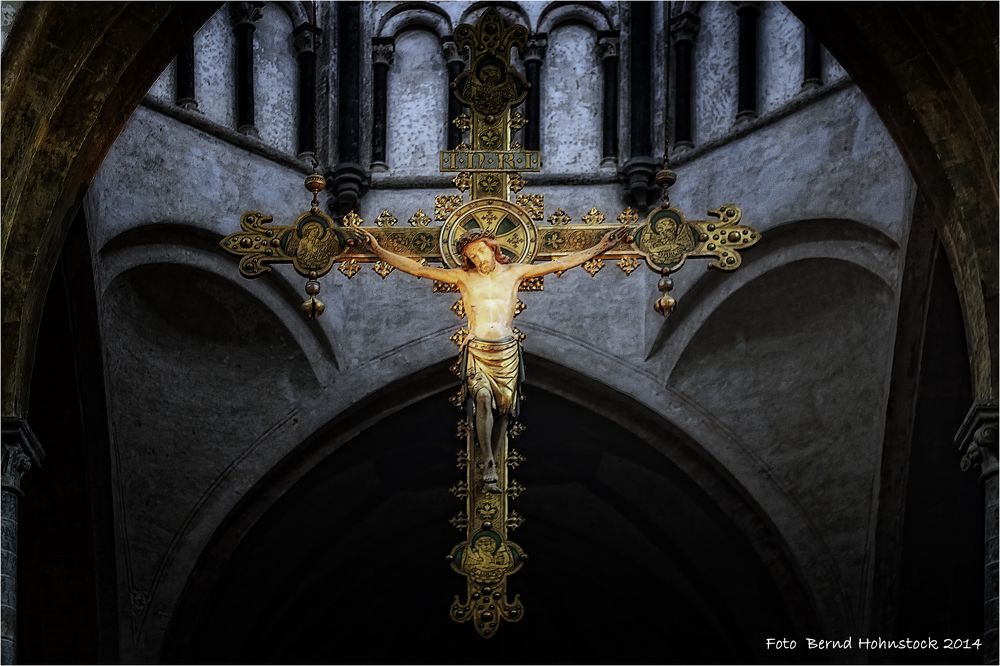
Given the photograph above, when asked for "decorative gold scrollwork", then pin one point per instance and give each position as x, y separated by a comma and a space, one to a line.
386, 219
254, 245
594, 216
383, 269
593, 266
628, 264
533, 205
311, 244
666, 239
559, 218
350, 268
420, 219
352, 219
463, 181
445, 205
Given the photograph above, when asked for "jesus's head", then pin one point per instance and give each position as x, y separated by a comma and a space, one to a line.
480, 251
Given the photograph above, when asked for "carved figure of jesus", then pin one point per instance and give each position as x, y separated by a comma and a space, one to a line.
491, 363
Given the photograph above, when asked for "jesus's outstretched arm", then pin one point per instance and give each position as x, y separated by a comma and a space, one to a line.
408, 265
610, 239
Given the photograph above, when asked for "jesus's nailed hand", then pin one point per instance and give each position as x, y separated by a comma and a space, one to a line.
614, 237
361, 237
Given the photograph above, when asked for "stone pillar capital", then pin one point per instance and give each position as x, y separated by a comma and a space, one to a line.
641, 191
347, 182
21, 451
684, 27
452, 54
383, 51
535, 49
977, 440
607, 45
246, 13
305, 39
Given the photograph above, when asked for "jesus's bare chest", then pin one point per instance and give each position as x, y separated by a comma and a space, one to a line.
492, 291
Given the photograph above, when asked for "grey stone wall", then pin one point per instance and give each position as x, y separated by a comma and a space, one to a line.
779, 65
215, 70
778, 371
8, 10
418, 105
571, 81
714, 75
276, 80
780, 54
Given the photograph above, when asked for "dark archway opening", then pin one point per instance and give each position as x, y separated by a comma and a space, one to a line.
941, 565
67, 603
630, 560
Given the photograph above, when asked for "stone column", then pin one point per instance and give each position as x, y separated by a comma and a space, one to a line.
812, 61
748, 13
348, 180
456, 63
607, 50
383, 50
533, 56
304, 40
20, 451
244, 16
639, 171
185, 97
683, 29
977, 442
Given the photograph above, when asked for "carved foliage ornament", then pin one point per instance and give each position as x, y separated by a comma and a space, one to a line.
16, 464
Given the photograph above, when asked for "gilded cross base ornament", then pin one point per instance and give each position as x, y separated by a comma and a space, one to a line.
487, 248
487, 557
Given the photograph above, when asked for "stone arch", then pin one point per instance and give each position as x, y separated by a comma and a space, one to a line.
410, 15
66, 119
239, 353
686, 7
921, 57
349, 406
351, 413
161, 244
511, 11
785, 243
800, 401
588, 13
296, 12
332, 436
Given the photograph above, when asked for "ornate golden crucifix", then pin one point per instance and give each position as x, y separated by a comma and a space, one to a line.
490, 207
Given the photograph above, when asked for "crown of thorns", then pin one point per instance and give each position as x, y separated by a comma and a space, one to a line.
473, 236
